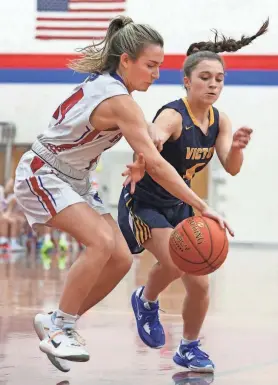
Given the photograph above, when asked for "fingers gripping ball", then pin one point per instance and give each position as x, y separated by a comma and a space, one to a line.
198, 245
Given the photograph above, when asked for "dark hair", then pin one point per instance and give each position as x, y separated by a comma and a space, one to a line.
123, 36
209, 50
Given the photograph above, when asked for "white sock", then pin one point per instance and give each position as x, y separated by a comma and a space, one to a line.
144, 299
184, 341
63, 320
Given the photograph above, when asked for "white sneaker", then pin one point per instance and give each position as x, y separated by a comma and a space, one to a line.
42, 324
65, 343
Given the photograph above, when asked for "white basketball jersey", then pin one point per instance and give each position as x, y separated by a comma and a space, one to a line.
70, 136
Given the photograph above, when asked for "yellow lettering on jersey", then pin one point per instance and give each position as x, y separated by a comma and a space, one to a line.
199, 153
210, 152
205, 151
189, 152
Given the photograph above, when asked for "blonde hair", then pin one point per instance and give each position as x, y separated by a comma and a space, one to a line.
123, 36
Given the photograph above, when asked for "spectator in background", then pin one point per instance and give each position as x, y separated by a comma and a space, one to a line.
12, 219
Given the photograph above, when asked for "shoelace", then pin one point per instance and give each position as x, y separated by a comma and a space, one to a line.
194, 349
55, 334
71, 333
152, 319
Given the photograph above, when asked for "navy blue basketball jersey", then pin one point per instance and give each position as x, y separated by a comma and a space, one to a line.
189, 154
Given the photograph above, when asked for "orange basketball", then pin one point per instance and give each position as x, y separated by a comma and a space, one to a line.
198, 245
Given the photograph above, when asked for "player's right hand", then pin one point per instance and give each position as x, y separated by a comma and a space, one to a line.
210, 213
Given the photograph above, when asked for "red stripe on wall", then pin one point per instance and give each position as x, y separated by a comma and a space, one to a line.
71, 29
62, 37
59, 61
96, 10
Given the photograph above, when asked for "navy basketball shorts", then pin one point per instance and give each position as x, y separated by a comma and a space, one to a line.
136, 219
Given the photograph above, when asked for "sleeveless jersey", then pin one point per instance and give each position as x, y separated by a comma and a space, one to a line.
189, 154
70, 136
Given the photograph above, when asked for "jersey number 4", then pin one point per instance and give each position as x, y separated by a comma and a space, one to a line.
61, 111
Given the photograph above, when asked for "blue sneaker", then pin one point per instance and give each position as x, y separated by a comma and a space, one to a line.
148, 325
192, 357
191, 378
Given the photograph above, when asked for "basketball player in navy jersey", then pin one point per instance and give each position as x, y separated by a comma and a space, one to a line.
190, 130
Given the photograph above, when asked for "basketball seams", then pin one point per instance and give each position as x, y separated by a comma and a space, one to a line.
187, 260
183, 245
199, 252
224, 244
211, 249
214, 267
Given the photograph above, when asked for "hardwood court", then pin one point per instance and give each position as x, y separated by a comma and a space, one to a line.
240, 332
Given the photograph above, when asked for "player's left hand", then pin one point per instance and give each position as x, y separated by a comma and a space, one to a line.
135, 172
241, 138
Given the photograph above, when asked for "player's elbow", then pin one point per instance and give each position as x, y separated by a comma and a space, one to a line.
233, 171
232, 168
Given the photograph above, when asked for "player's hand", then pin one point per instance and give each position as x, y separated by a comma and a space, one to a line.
210, 213
154, 134
241, 138
135, 172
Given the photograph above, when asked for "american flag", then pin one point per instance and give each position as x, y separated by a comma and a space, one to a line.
75, 19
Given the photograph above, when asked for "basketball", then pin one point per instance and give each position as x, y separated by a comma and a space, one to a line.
198, 245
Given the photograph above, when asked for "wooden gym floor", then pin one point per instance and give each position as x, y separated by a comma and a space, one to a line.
240, 331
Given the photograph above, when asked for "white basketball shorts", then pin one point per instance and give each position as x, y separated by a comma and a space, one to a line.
42, 191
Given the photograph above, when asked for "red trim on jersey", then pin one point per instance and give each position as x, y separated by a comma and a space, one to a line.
68, 146
41, 193
36, 164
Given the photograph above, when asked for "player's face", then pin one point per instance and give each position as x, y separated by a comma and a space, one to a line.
139, 74
206, 81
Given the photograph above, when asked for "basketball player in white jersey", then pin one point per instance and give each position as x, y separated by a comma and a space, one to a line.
52, 180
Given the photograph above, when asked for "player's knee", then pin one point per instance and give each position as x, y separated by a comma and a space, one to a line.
123, 261
172, 271
103, 241
199, 288
106, 242
126, 262
175, 273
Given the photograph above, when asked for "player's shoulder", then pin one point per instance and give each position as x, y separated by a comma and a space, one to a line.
102, 83
223, 117
175, 104
172, 109
170, 115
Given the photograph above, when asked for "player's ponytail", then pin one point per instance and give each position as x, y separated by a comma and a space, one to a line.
198, 52
123, 36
